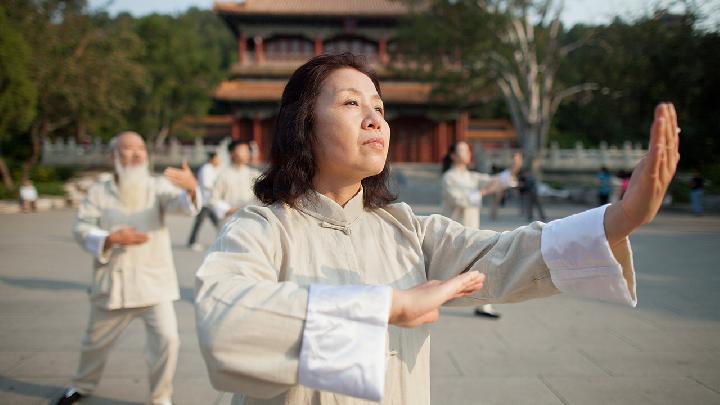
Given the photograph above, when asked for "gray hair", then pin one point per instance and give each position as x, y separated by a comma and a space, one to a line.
113, 144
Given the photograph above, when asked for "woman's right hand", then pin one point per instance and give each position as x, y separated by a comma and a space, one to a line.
421, 305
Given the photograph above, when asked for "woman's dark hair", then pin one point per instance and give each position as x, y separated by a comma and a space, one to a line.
292, 165
447, 160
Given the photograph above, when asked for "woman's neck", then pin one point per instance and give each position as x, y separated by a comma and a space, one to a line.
459, 166
339, 190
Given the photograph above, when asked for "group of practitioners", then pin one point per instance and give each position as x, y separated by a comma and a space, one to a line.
320, 288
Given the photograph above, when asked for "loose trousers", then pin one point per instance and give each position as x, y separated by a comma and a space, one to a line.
161, 350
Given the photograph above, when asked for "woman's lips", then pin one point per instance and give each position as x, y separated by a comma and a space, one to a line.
377, 143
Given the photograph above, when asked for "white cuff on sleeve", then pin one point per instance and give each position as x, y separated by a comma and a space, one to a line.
94, 243
186, 203
343, 343
221, 208
475, 199
581, 263
507, 179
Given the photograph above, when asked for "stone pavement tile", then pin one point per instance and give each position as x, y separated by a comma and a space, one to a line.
47, 364
24, 340
655, 364
709, 381
442, 364
524, 363
705, 338
195, 391
29, 391
120, 391
488, 391
631, 391
10, 360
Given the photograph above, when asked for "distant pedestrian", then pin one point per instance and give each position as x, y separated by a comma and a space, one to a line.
206, 181
603, 181
28, 196
697, 192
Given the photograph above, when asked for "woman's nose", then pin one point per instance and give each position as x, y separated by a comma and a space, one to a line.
372, 120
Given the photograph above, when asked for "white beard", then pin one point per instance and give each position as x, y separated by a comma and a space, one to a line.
132, 184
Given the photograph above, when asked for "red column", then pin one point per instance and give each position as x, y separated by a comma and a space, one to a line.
235, 129
382, 51
242, 48
442, 141
259, 51
461, 127
257, 137
318, 46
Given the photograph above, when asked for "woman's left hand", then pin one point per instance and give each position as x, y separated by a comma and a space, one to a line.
650, 179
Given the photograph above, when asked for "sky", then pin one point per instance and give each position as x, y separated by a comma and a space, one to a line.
576, 11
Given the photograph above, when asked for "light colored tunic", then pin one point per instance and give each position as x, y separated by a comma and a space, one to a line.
461, 199
206, 181
234, 189
137, 275
292, 304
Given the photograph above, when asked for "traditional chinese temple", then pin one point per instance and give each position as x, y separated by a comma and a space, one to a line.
274, 37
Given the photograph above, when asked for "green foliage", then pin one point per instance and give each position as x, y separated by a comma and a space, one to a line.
19, 93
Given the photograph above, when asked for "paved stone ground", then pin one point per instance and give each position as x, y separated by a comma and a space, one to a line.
558, 350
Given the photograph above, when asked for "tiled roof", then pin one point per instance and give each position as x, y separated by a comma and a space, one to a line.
313, 7
267, 90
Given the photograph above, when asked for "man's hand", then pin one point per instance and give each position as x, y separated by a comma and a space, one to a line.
421, 304
650, 179
125, 236
182, 178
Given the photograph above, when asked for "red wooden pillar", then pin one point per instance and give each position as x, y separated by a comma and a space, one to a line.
442, 141
318, 46
461, 127
235, 129
382, 51
257, 137
259, 51
242, 48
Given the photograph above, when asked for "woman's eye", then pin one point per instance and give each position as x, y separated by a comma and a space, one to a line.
380, 110
351, 102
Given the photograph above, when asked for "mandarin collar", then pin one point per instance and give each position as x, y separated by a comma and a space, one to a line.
325, 209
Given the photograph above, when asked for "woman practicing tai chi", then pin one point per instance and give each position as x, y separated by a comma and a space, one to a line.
323, 295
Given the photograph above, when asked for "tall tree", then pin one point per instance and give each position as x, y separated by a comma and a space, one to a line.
18, 93
515, 45
83, 70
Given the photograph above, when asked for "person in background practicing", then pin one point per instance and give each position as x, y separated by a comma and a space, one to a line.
121, 223
463, 191
206, 180
28, 196
234, 186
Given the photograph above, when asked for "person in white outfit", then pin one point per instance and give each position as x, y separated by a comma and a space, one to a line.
121, 223
234, 185
463, 191
323, 295
206, 180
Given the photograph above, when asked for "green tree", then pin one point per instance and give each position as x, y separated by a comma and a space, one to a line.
18, 93
184, 58
513, 46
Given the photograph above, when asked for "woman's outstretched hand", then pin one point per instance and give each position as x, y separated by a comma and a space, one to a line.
421, 304
649, 180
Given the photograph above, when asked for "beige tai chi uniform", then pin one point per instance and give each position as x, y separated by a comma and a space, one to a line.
234, 189
292, 303
461, 199
131, 281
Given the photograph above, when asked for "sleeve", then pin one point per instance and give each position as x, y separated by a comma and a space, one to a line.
87, 229
176, 200
569, 255
218, 204
458, 195
261, 336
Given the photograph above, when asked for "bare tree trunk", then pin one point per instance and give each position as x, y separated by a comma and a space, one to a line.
37, 133
5, 173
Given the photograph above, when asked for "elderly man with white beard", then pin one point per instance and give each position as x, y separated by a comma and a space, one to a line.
122, 224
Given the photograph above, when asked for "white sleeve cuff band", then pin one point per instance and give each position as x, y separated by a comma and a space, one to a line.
344, 340
94, 243
581, 263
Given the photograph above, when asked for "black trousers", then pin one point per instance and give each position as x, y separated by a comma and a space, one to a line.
199, 219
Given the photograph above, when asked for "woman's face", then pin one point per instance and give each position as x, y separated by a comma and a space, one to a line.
462, 154
352, 136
